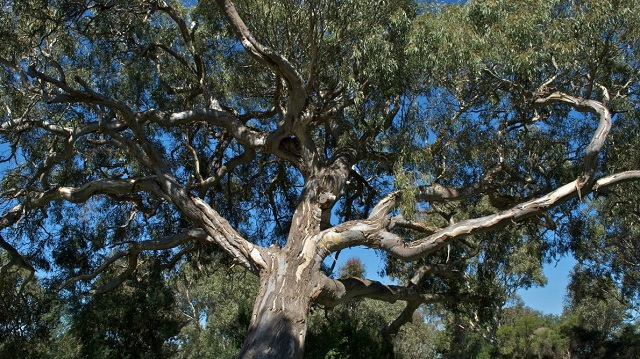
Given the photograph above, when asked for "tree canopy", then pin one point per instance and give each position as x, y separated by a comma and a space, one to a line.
467, 143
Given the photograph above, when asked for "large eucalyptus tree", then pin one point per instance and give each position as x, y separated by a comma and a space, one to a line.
455, 139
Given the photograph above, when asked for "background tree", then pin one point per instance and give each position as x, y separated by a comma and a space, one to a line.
357, 328
135, 320
460, 140
27, 313
215, 303
598, 322
525, 333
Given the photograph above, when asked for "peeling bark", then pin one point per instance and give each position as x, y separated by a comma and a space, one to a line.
279, 320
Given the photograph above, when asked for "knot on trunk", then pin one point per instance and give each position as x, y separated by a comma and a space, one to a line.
326, 198
291, 145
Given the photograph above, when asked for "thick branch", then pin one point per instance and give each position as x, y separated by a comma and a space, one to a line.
149, 155
405, 317
24, 123
617, 178
188, 36
336, 291
318, 197
72, 95
80, 194
439, 270
251, 256
374, 234
397, 247
132, 264
400, 221
597, 141
245, 135
439, 193
296, 115
244, 158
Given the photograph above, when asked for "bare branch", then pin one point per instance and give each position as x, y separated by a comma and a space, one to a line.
23, 123
440, 193
374, 234
245, 135
72, 95
132, 264
244, 158
88, 96
400, 221
440, 270
393, 244
132, 253
163, 184
617, 178
249, 255
374, 231
188, 36
599, 137
405, 317
196, 160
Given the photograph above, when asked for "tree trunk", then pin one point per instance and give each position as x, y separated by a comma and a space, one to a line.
292, 276
279, 320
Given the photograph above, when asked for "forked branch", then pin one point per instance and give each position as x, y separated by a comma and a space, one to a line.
375, 232
265, 55
132, 252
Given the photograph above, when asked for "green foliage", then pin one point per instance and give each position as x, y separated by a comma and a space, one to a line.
217, 306
136, 320
524, 333
605, 241
428, 93
597, 321
353, 329
200, 311
593, 327
353, 267
417, 339
27, 316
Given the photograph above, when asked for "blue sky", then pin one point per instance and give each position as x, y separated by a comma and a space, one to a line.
550, 298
